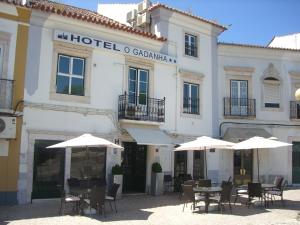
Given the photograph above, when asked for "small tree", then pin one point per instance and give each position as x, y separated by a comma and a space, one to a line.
117, 170
156, 167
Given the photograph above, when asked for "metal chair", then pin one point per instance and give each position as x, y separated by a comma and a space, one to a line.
277, 192
189, 196
68, 199
112, 195
96, 199
255, 191
168, 182
204, 183
225, 196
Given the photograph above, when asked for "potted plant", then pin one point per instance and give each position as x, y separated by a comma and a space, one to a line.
117, 173
157, 179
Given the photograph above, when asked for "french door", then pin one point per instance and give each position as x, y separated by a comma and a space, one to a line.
138, 86
239, 97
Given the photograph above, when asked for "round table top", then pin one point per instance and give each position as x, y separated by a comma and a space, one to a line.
207, 189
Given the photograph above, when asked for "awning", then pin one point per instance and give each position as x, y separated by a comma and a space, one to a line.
149, 136
237, 134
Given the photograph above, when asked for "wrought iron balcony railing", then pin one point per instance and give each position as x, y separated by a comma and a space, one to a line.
294, 109
141, 108
6, 94
241, 107
191, 106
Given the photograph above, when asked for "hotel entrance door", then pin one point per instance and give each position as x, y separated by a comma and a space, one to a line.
243, 165
134, 164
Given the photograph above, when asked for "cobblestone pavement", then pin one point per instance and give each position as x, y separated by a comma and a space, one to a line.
162, 210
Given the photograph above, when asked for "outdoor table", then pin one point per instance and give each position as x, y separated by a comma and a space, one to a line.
82, 193
207, 191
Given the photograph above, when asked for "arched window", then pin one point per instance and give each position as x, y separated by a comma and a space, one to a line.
271, 90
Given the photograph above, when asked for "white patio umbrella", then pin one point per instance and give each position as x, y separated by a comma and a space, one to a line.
86, 141
259, 143
203, 143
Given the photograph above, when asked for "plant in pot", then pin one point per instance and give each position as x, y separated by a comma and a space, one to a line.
157, 179
117, 173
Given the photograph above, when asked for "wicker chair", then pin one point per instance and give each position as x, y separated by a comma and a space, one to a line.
189, 196
96, 199
204, 183
255, 191
277, 192
225, 196
112, 195
67, 199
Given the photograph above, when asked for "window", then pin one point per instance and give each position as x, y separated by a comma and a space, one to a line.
70, 75
190, 45
271, 92
190, 98
239, 97
138, 83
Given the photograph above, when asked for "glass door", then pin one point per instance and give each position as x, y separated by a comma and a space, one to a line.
48, 170
239, 97
243, 166
138, 90
198, 166
296, 163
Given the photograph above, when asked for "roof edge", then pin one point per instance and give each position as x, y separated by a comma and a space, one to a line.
257, 46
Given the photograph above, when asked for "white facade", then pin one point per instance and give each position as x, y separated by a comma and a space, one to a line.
52, 116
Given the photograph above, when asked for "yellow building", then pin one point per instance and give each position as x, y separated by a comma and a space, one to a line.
14, 28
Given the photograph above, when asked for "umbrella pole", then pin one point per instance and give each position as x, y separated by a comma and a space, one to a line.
205, 163
257, 165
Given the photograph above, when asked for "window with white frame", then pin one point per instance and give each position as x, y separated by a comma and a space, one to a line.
138, 82
191, 98
190, 45
271, 90
70, 75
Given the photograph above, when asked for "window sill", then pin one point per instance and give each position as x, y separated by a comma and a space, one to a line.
191, 57
70, 98
192, 116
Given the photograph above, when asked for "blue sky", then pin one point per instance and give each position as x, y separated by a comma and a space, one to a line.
251, 21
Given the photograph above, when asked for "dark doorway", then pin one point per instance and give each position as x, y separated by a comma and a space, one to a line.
243, 166
198, 165
134, 164
296, 163
48, 170
180, 163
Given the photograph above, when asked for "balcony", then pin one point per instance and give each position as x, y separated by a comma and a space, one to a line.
6, 95
239, 107
294, 110
140, 108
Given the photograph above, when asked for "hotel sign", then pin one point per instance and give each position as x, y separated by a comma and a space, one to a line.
112, 46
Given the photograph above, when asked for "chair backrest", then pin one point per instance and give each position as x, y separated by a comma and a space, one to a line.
204, 183
283, 185
189, 182
73, 182
278, 181
254, 189
97, 196
167, 178
229, 179
188, 193
226, 183
113, 190
226, 191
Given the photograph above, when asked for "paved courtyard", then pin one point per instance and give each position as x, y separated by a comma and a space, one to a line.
162, 210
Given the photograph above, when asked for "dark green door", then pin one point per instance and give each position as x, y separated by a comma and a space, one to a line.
134, 164
48, 170
296, 163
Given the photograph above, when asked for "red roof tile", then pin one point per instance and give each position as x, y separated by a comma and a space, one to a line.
83, 15
187, 14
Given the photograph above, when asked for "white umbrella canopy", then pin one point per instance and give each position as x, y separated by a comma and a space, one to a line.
203, 143
259, 143
86, 140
